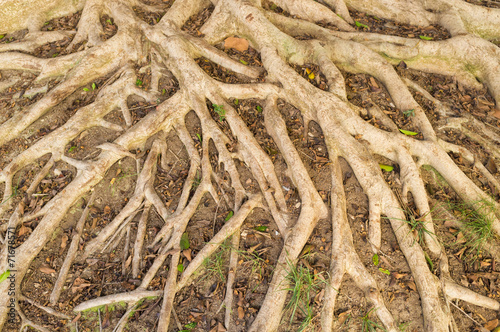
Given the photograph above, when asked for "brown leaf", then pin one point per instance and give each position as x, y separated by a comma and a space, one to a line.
128, 285
241, 313
393, 281
474, 277
238, 44
64, 241
491, 166
76, 318
79, 284
105, 321
107, 210
491, 325
485, 264
450, 223
240, 299
495, 113
373, 82
464, 281
343, 317
187, 253
319, 297
46, 269
461, 252
128, 261
221, 328
32, 203
460, 238
23, 230
412, 285
399, 275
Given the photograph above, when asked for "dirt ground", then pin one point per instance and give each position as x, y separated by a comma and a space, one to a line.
198, 307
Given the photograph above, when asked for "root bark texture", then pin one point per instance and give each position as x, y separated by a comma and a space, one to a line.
225, 145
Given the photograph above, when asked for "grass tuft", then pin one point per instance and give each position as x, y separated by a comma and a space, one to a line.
303, 284
476, 218
369, 325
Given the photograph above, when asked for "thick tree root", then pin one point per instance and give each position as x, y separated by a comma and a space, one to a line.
172, 52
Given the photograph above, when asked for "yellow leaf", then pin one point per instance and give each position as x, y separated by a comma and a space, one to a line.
386, 168
311, 76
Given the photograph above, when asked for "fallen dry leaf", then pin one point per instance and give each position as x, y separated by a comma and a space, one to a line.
64, 241
320, 296
23, 230
491, 166
485, 264
105, 322
461, 252
241, 313
238, 44
460, 238
128, 285
399, 275
79, 284
343, 317
76, 318
450, 224
128, 261
187, 253
373, 82
491, 325
46, 269
412, 285
219, 328
496, 113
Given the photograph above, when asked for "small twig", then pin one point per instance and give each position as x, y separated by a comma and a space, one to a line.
177, 321
99, 313
90, 155
126, 251
171, 168
466, 314
141, 107
218, 181
139, 241
215, 217
119, 232
384, 254
48, 310
175, 154
306, 155
147, 312
125, 316
112, 78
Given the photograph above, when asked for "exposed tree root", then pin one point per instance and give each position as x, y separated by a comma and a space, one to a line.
167, 51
